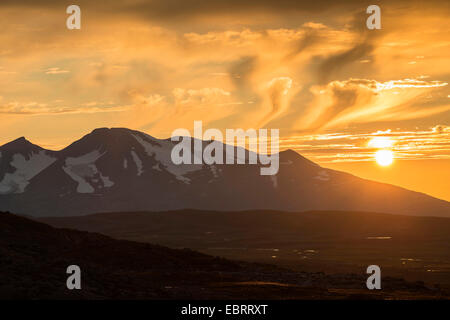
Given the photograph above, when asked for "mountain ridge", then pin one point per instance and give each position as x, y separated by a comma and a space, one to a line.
118, 169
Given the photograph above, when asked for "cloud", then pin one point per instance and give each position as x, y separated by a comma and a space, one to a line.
409, 83
241, 72
277, 90
56, 71
440, 129
179, 109
330, 65
230, 37
311, 36
34, 108
171, 62
200, 96
362, 48
187, 8
365, 100
377, 86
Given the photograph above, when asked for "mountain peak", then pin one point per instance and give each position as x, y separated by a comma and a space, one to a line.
20, 144
112, 131
291, 155
21, 140
115, 140
100, 130
118, 132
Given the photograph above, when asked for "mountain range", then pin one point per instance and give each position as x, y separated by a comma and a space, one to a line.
119, 170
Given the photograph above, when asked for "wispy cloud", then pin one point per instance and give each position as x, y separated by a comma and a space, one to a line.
277, 89
364, 100
56, 71
34, 108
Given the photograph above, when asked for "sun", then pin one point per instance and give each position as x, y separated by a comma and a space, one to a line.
384, 157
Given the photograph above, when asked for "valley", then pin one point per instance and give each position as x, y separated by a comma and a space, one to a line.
34, 257
414, 248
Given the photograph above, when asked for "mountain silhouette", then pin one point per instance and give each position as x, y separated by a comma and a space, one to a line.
120, 170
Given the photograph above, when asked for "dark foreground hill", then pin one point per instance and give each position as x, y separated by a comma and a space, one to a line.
34, 258
414, 248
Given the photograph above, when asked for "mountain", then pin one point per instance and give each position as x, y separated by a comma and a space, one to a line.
120, 170
20, 161
34, 258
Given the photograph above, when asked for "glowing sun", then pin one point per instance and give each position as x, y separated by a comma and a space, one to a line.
384, 157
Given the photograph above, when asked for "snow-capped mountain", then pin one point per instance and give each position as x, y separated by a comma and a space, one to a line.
20, 161
119, 169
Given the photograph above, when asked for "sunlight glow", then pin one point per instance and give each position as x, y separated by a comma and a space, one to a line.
384, 157
381, 142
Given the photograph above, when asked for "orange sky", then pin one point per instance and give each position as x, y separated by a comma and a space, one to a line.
311, 69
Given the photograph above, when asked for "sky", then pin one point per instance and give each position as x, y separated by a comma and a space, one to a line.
308, 68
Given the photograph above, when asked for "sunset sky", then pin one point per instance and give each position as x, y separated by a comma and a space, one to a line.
310, 68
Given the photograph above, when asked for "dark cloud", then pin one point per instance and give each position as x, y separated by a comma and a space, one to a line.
241, 71
176, 9
310, 38
188, 8
343, 98
362, 48
332, 64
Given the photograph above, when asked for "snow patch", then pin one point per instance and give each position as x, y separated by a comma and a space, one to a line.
107, 183
214, 171
138, 162
17, 181
322, 175
162, 151
84, 171
274, 179
83, 185
87, 159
